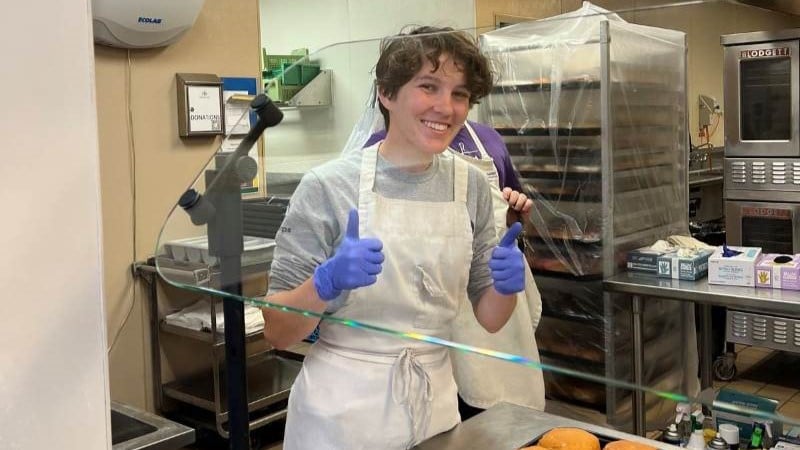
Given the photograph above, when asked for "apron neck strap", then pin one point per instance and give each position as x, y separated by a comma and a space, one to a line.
477, 141
460, 180
369, 161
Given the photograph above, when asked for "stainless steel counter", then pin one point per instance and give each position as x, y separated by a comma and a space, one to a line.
638, 285
509, 427
770, 301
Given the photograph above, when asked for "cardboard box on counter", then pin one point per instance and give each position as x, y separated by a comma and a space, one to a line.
694, 267
777, 275
736, 270
742, 419
644, 259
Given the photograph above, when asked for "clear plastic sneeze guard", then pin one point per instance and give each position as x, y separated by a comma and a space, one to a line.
593, 111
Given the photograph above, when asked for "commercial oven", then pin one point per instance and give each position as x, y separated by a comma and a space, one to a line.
764, 223
761, 85
762, 140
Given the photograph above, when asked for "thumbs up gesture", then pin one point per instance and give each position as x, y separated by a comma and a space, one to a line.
508, 268
355, 263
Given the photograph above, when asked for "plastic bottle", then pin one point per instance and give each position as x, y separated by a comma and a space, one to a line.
681, 410
698, 419
683, 421
730, 433
696, 440
767, 441
685, 429
709, 431
755, 439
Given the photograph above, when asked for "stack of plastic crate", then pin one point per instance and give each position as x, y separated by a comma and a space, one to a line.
285, 75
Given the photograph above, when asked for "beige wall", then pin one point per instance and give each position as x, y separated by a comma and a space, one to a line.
703, 25
224, 41
487, 10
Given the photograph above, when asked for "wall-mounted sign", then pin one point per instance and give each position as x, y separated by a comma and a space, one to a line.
199, 104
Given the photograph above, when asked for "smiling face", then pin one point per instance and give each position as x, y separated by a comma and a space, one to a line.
426, 112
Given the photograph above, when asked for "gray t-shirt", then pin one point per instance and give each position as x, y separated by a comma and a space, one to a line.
318, 210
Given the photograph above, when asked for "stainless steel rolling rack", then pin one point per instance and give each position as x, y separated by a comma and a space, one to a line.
594, 115
199, 399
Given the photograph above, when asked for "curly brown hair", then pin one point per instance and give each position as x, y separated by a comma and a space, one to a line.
403, 55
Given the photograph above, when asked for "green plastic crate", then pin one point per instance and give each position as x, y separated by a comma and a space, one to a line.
279, 92
290, 74
308, 72
276, 62
273, 62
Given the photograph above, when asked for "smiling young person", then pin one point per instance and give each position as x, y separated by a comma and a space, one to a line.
483, 382
394, 236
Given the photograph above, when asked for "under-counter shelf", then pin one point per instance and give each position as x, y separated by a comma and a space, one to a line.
705, 179
269, 380
578, 83
507, 131
198, 397
544, 85
207, 336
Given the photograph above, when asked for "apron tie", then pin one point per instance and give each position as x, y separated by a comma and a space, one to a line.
411, 387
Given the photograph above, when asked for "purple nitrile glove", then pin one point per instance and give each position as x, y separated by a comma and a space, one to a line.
508, 268
355, 263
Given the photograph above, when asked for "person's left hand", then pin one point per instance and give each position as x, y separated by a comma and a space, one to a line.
517, 201
508, 268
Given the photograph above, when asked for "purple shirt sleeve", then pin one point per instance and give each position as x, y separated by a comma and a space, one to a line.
492, 142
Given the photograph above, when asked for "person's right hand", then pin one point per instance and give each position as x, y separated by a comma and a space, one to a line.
356, 263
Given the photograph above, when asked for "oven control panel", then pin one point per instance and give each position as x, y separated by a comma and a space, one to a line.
768, 174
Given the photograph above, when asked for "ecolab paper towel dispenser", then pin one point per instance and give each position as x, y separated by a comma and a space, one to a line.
142, 23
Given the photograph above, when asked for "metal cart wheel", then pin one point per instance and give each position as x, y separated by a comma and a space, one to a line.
725, 367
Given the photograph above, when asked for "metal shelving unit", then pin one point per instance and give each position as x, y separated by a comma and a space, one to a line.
200, 399
596, 124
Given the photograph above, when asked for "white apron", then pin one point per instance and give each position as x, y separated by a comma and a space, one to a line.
360, 389
482, 381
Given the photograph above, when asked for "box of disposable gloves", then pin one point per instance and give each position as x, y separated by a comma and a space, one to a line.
733, 266
684, 264
778, 271
644, 259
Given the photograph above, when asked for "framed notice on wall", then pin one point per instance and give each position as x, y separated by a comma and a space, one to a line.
204, 112
199, 105
238, 120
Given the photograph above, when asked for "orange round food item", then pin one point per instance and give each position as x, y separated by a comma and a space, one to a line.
569, 439
533, 447
627, 445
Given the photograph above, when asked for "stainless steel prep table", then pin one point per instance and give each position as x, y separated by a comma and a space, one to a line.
763, 301
509, 427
